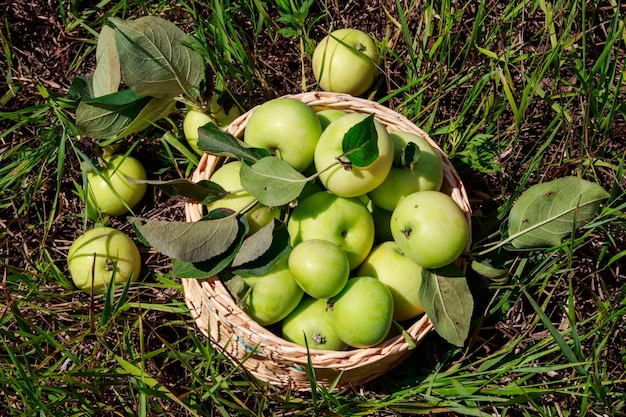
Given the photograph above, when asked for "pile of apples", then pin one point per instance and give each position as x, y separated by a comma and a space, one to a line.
360, 237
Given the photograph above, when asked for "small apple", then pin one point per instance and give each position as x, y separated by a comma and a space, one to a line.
227, 176
222, 113
286, 127
320, 267
110, 191
344, 221
329, 115
362, 312
194, 119
98, 254
430, 228
401, 275
310, 324
346, 61
354, 181
273, 295
426, 175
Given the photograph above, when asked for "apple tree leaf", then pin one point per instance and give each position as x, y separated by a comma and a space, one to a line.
200, 241
360, 143
272, 181
547, 213
410, 156
212, 140
262, 250
115, 116
154, 59
204, 191
447, 302
108, 73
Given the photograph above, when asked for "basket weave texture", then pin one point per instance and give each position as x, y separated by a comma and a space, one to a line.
260, 351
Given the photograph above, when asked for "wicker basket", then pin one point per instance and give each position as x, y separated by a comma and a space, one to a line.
263, 353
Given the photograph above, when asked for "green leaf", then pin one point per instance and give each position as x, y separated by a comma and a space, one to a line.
204, 191
105, 121
272, 181
262, 250
190, 241
448, 302
360, 143
216, 264
81, 87
98, 119
108, 73
547, 213
212, 140
154, 59
410, 156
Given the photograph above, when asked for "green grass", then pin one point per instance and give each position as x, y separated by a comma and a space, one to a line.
516, 93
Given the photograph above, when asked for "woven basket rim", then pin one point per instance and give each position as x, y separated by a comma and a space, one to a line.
210, 296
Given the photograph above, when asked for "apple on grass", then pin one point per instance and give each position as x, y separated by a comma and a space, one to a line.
362, 312
401, 275
426, 175
310, 325
354, 181
288, 128
343, 221
110, 190
320, 267
345, 61
272, 296
100, 255
227, 176
430, 228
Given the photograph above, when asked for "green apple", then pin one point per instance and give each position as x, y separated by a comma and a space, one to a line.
341, 220
194, 119
430, 228
426, 175
329, 115
346, 61
223, 114
401, 275
227, 176
320, 267
354, 181
310, 324
272, 296
111, 191
286, 127
96, 255
362, 312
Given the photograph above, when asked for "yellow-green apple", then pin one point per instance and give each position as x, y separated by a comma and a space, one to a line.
362, 312
111, 191
344, 221
346, 61
425, 175
100, 255
329, 115
194, 119
430, 228
273, 295
320, 267
351, 181
310, 324
286, 127
401, 275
